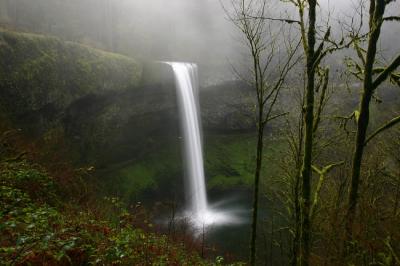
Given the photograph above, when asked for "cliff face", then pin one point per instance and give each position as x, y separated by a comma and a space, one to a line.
39, 73
48, 85
109, 108
114, 112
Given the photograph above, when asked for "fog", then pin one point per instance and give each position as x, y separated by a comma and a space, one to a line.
179, 30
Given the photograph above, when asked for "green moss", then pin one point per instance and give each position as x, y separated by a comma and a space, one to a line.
136, 178
36, 71
157, 171
229, 160
229, 164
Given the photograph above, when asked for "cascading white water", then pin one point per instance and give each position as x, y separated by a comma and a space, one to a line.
186, 82
199, 212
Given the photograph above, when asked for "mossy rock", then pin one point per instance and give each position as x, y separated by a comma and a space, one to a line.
41, 76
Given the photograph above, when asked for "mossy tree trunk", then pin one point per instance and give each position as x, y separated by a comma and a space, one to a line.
306, 171
313, 57
376, 12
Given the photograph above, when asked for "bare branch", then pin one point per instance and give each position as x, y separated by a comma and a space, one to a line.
322, 100
286, 20
392, 18
322, 173
388, 125
275, 117
387, 72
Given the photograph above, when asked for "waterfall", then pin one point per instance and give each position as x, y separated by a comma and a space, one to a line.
187, 90
199, 213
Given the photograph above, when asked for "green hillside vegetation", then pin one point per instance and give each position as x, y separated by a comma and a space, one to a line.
44, 82
76, 98
39, 71
54, 210
45, 220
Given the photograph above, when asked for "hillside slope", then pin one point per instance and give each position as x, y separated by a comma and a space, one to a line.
64, 91
116, 114
41, 73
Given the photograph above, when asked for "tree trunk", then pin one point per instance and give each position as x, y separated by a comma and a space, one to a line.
306, 171
362, 126
260, 144
297, 213
376, 13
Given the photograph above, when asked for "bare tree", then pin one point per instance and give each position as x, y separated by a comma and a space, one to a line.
269, 69
314, 54
313, 57
367, 69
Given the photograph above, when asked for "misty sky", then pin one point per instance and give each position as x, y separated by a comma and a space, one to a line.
199, 31
173, 30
